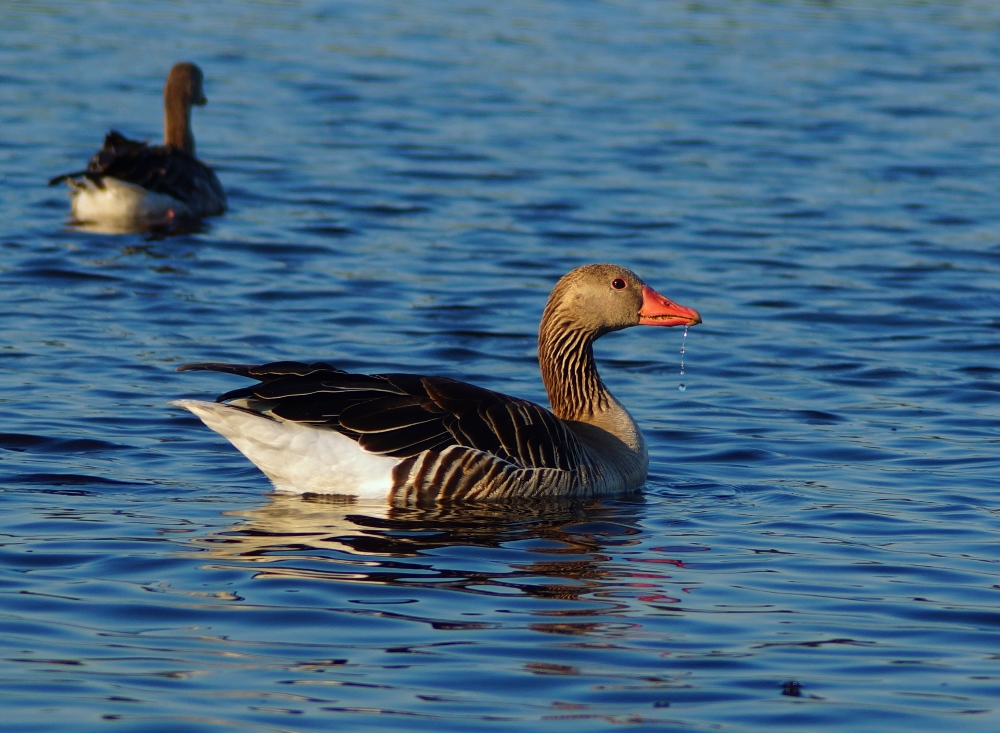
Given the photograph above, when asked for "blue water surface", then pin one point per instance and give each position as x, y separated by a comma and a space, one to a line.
817, 545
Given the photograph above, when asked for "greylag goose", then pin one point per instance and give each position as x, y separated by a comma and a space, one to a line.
129, 180
418, 440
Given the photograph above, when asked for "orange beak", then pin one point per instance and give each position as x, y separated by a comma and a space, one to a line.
659, 311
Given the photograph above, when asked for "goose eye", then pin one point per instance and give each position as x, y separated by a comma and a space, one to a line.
618, 284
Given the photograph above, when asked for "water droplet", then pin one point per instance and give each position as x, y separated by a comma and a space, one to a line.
683, 348
681, 387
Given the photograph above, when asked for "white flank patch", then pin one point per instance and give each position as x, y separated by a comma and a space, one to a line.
296, 457
121, 201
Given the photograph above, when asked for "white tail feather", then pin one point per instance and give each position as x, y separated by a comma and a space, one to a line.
296, 457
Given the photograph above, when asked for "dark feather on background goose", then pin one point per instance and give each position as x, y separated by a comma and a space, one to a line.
163, 169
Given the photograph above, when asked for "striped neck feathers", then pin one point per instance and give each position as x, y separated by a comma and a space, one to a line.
566, 357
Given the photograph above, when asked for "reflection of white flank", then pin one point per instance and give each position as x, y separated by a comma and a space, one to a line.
299, 458
280, 531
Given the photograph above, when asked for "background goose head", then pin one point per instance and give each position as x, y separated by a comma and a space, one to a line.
598, 299
182, 90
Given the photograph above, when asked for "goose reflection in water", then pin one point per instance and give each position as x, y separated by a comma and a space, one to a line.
556, 551
151, 231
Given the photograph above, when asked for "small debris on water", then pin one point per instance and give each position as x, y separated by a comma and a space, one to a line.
792, 689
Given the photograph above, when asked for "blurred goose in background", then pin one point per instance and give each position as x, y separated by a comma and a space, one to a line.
130, 181
419, 440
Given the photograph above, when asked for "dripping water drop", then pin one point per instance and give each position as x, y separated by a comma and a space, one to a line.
681, 387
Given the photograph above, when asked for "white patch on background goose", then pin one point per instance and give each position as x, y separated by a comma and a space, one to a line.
120, 200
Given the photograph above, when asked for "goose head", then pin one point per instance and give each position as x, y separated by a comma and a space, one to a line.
185, 85
585, 304
598, 299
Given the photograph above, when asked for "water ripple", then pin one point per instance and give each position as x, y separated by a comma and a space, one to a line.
815, 546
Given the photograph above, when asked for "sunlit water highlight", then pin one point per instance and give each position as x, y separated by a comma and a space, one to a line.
407, 181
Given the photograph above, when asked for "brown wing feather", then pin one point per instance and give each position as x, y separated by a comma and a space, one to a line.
402, 415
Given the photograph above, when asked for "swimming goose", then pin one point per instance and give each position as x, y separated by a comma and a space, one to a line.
129, 180
417, 440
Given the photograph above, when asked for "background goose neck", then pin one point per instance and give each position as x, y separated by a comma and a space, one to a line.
177, 122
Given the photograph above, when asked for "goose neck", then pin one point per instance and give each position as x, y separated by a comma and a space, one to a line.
566, 357
177, 123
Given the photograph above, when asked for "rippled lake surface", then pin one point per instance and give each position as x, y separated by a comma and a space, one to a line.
817, 545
